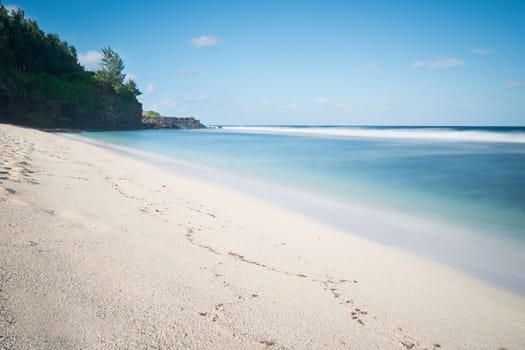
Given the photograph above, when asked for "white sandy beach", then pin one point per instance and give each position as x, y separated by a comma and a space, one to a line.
102, 251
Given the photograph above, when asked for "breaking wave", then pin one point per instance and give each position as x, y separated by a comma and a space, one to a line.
514, 135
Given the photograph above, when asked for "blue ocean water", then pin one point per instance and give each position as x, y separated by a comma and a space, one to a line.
472, 178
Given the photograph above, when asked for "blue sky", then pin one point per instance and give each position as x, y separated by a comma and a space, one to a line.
309, 62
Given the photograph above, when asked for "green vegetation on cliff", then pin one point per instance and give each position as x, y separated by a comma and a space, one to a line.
150, 114
43, 85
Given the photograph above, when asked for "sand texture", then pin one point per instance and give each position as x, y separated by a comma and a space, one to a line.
102, 251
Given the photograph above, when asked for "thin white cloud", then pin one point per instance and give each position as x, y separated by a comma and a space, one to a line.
169, 103
150, 88
188, 73
90, 60
334, 104
371, 66
513, 84
279, 105
482, 52
205, 41
446, 62
270, 103
201, 97
190, 87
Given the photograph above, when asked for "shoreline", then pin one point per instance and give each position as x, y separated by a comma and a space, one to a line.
106, 251
458, 246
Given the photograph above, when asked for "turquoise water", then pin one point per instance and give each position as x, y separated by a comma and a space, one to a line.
456, 195
473, 177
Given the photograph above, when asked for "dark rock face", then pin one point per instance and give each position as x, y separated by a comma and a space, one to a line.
171, 123
106, 113
98, 110
111, 116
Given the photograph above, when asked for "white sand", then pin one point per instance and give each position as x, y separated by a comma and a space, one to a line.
100, 251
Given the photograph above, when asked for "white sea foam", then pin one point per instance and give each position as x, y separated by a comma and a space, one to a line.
443, 134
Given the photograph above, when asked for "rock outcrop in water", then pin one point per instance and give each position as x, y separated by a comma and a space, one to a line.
171, 123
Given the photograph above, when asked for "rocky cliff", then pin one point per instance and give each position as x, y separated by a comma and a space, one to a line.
171, 123
107, 113
44, 101
43, 85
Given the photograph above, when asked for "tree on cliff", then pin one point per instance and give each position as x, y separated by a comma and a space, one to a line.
26, 48
111, 72
42, 83
131, 86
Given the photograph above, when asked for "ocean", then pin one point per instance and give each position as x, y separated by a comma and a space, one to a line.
456, 194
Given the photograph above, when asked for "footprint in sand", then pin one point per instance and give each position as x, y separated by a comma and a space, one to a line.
6, 195
5, 192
